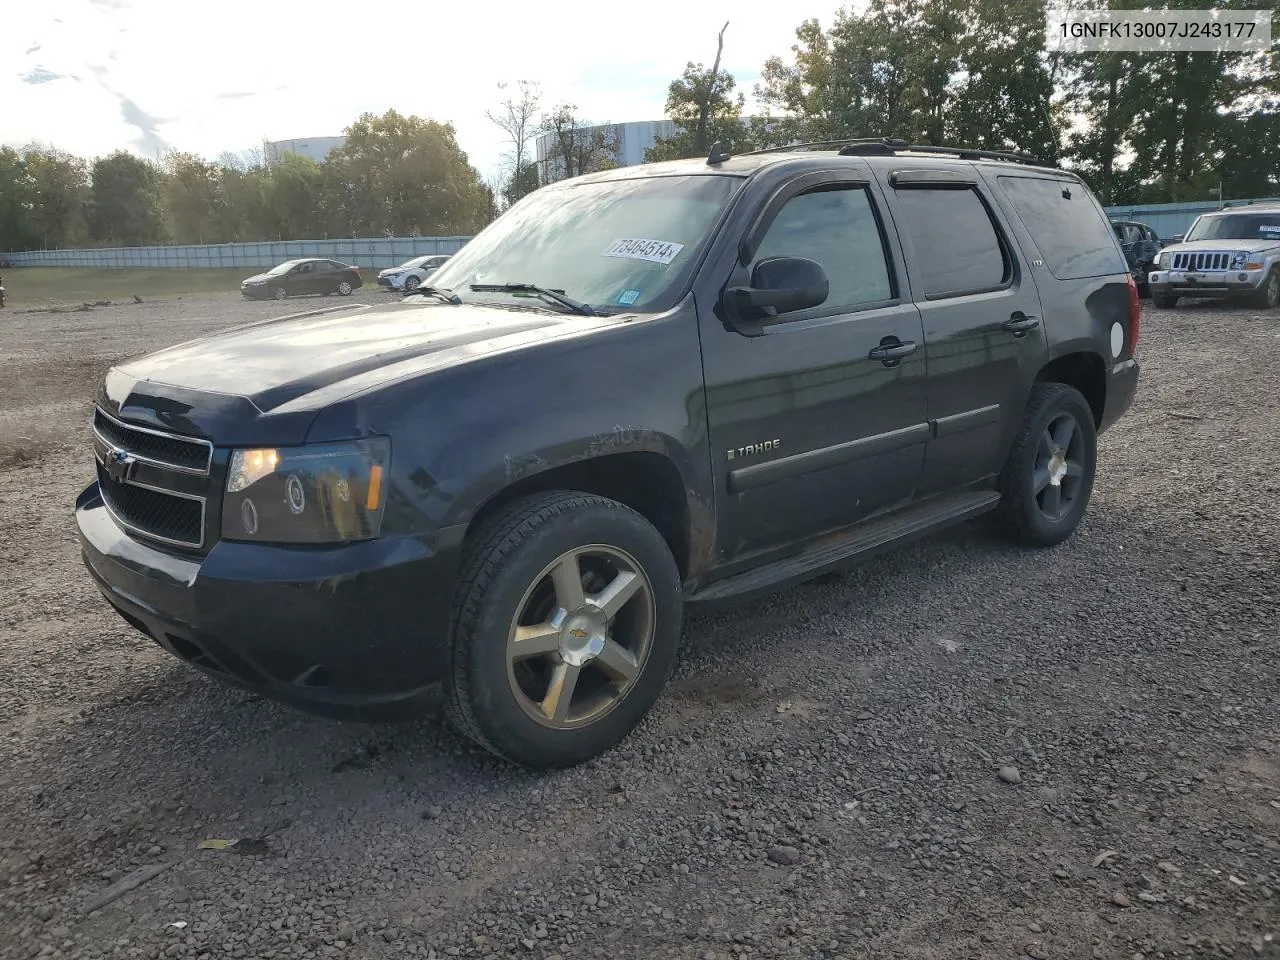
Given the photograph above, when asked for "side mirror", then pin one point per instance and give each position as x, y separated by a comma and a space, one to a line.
778, 285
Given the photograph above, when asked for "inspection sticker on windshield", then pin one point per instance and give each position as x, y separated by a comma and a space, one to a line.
655, 251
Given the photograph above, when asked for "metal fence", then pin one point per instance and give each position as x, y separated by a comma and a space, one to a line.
387, 252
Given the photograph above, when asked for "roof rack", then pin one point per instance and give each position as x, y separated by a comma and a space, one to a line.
887, 146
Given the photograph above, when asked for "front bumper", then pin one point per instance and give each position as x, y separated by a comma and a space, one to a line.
339, 630
1205, 283
391, 283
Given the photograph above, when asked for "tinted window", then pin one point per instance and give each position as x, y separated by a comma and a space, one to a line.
956, 245
615, 243
838, 229
1067, 226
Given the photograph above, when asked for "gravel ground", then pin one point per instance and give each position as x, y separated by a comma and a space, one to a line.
959, 750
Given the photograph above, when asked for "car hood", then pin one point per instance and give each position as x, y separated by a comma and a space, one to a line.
290, 367
1247, 246
390, 270
256, 278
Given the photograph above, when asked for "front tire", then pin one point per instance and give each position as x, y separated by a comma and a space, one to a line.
1269, 295
411, 284
1164, 301
566, 625
280, 293
1048, 477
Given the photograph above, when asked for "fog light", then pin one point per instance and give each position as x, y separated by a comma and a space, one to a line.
249, 516
297, 497
1242, 277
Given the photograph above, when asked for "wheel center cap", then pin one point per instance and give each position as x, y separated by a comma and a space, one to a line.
582, 637
1057, 468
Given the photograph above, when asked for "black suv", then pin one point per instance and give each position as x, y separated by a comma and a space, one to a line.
660, 385
1141, 246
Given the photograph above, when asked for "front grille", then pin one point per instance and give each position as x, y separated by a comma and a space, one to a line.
1201, 261
154, 513
190, 456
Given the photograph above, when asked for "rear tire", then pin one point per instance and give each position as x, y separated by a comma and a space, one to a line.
1048, 477
591, 591
344, 288
1163, 301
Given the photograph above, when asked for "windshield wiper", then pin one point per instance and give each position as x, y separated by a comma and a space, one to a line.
448, 296
556, 296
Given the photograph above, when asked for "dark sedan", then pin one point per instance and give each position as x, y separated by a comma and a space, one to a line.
296, 278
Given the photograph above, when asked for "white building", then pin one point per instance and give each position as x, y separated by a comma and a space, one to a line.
315, 148
633, 140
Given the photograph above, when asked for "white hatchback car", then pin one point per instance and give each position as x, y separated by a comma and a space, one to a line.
410, 274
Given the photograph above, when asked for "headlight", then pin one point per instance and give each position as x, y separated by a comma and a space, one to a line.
1237, 261
1160, 259
325, 493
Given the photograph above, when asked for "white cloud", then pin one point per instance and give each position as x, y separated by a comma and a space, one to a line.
91, 76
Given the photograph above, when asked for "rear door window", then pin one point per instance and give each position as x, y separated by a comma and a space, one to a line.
1067, 226
957, 247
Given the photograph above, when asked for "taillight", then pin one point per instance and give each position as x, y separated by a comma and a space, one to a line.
1135, 316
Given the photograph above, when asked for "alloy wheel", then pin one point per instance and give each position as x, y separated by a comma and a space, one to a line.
1059, 467
581, 636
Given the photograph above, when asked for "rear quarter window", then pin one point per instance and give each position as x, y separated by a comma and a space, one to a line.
1068, 227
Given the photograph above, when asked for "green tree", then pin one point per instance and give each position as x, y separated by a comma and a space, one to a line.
192, 195
294, 201
124, 201
1003, 99
969, 71
59, 190
404, 176
705, 111
15, 201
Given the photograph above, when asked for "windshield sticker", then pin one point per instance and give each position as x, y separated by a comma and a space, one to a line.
1269, 229
655, 251
629, 297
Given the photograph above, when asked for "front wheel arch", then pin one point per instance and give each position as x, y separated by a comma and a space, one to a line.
649, 483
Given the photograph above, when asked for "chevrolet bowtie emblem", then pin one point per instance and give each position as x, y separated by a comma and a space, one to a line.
578, 633
119, 465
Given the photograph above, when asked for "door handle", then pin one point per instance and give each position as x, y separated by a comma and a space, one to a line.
892, 351
1020, 322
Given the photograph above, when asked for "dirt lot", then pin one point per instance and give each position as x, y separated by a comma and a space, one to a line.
823, 780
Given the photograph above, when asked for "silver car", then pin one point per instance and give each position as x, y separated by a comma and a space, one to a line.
411, 274
1233, 253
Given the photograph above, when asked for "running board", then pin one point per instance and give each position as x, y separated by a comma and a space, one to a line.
860, 542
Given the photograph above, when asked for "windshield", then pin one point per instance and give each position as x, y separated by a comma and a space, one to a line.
282, 268
612, 244
413, 264
1237, 226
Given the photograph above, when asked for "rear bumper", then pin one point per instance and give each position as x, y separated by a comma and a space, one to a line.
334, 629
1122, 386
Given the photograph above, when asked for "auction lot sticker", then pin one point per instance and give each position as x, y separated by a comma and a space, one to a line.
1077, 31
655, 251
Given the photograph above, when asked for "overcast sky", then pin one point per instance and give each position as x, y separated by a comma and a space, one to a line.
91, 76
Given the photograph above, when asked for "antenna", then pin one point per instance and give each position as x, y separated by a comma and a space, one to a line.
717, 155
